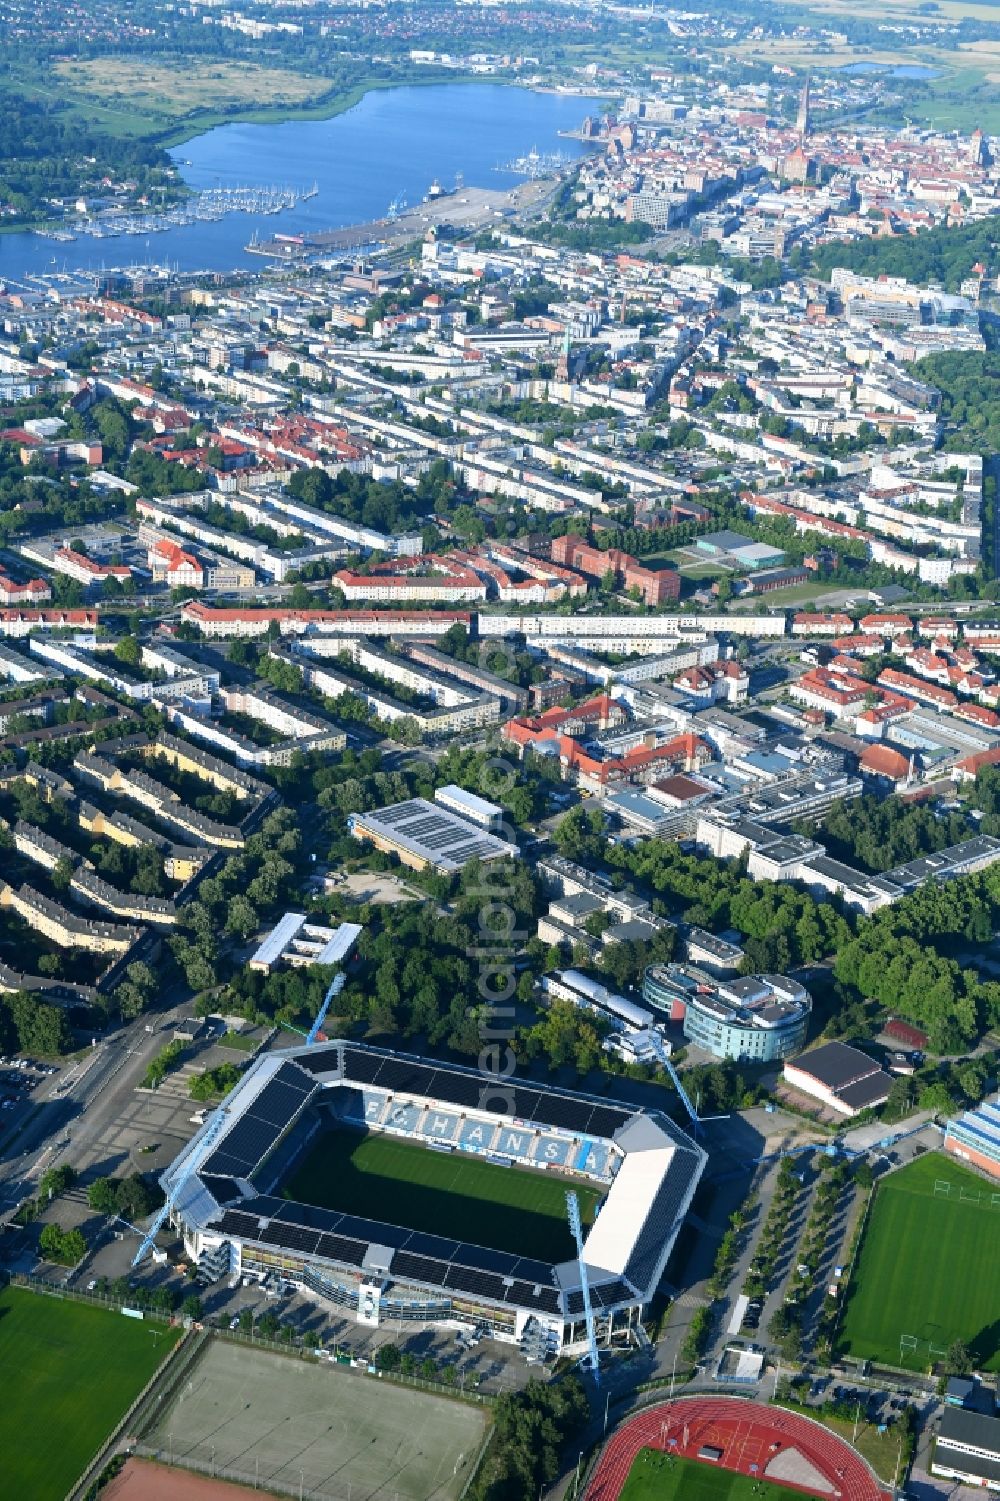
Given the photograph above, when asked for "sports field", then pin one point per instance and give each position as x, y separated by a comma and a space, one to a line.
256, 1415
663, 1477
929, 1269
70, 1372
445, 1193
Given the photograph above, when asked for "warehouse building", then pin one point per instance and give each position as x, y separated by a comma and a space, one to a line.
840, 1077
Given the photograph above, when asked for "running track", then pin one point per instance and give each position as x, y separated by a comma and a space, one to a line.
749, 1434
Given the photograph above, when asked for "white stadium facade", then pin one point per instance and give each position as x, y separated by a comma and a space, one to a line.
225, 1191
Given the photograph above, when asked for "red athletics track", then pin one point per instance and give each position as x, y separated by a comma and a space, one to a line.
749, 1435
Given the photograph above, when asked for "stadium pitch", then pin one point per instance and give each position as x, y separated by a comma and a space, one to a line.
284, 1423
664, 1477
70, 1372
443, 1193
929, 1269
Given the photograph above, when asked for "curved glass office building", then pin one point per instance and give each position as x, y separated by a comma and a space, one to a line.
759, 1018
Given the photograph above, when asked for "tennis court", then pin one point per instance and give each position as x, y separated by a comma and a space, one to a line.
337, 1433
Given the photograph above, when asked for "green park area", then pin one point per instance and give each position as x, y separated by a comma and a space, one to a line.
928, 1270
71, 1370
664, 1477
442, 1193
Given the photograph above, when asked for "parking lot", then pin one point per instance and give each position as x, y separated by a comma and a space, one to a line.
477, 1364
19, 1078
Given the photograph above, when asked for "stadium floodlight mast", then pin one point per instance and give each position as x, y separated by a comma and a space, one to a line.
335, 989
592, 1359
316, 1030
200, 1149
693, 1116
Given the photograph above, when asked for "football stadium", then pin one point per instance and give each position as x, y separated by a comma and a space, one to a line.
352, 1171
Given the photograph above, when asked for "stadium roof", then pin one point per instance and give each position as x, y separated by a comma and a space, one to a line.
453, 1266
652, 1164
609, 1245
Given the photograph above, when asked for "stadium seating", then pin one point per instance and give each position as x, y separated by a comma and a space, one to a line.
439, 1125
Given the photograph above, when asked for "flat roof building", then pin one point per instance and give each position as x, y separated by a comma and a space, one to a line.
470, 807
711, 952
641, 811
297, 942
755, 1017
424, 835
959, 860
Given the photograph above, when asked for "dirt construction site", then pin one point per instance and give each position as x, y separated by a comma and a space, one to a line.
317, 1430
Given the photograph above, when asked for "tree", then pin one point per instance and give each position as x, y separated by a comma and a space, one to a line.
55, 1182
66, 1247
101, 1196
191, 1308
958, 1361
936, 1097
213, 1081
241, 919
128, 651
268, 1325
863, 1175
135, 1199
40, 1028
62, 873
973, 1076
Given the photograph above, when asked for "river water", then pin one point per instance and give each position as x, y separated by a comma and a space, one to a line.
390, 146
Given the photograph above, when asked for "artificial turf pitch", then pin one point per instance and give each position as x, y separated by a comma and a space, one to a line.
663, 1477
444, 1193
70, 1371
929, 1269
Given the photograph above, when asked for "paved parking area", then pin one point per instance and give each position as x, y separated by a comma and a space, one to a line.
924, 1487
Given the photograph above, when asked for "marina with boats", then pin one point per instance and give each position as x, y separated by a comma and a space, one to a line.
386, 172
206, 206
534, 164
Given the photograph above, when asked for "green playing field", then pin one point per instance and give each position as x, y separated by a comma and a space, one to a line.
664, 1477
444, 1193
929, 1268
70, 1372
